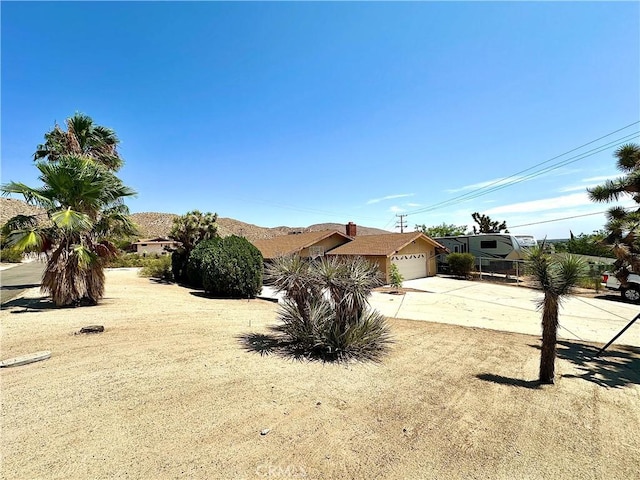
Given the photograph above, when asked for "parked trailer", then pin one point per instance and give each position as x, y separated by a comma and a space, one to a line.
489, 248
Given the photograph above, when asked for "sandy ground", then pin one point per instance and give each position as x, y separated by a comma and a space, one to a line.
170, 390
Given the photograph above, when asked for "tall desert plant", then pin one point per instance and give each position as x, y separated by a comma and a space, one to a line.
84, 203
189, 230
623, 224
82, 138
326, 312
556, 277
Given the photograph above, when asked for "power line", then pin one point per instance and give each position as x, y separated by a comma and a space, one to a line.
564, 218
499, 184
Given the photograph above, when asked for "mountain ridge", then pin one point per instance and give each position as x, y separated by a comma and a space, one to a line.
158, 224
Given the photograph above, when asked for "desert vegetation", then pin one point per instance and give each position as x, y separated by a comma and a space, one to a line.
623, 225
226, 267
190, 229
461, 264
555, 276
326, 313
83, 202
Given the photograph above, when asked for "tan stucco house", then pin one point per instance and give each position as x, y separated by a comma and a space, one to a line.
414, 253
158, 245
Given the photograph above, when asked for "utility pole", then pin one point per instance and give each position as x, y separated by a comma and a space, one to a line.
402, 223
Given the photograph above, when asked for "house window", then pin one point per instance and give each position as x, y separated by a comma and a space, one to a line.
489, 244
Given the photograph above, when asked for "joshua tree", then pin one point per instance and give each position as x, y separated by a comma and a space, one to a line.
486, 225
556, 277
190, 229
623, 226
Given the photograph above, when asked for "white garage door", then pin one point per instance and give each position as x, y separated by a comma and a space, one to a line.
411, 266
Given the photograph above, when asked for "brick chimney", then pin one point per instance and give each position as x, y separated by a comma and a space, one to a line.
351, 229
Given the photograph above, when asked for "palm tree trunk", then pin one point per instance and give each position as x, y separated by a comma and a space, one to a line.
549, 337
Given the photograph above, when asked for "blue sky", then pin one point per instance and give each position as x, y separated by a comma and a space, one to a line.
301, 113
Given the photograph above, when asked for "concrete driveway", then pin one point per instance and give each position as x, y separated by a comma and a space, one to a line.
503, 307
507, 308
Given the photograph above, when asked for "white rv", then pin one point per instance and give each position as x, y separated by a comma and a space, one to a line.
499, 246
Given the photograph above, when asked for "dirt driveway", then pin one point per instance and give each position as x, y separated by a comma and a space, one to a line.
174, 389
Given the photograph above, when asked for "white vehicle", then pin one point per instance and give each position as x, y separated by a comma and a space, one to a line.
499, 246
631, 292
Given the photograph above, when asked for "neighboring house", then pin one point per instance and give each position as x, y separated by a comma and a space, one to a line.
309, 244
159, 245
414, 253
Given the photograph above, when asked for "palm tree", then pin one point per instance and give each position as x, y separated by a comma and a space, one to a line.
556, 276
82, 138
84, 205
623, 225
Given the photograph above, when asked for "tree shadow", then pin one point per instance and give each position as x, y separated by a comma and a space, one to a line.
276, 344
261, 343
201, 294
515, 382
30, 304
20, 287
616, 368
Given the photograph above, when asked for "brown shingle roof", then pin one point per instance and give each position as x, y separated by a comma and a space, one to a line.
381, 245
292, 244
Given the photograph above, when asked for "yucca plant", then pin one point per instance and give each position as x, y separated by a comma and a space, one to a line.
556, 277
326, 311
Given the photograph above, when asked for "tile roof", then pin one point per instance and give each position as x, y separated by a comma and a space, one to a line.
381, 245
291, 244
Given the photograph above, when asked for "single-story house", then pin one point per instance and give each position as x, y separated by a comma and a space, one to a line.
307, 245
158, 245
414, 253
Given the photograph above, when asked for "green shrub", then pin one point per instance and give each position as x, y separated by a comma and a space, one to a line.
395, 276
461, 264
326, 312
226, 267
10, 255
158, 268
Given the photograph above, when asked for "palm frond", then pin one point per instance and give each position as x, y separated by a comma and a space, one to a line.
19, 222
72, 221
30, 240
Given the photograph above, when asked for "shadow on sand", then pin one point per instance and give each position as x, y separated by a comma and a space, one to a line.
20, 287
515, 382
616, 368
29, 304
619, 366
276, 344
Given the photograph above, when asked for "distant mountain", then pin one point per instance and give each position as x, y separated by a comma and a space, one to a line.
154, 224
